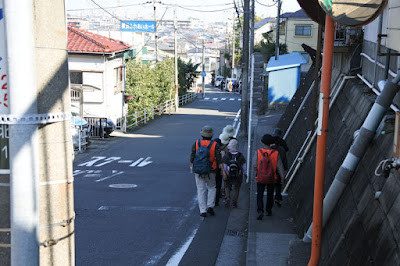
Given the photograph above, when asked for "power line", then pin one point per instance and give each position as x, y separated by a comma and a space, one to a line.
274, 4
208, 11
111, 7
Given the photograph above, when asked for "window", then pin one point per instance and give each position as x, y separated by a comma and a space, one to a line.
303, 31
340, 32
76, 77
118, 79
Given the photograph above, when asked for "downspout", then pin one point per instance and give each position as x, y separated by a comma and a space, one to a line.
376, 50
358, 149
23, 136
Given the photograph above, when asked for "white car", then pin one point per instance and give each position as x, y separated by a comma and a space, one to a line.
218, 81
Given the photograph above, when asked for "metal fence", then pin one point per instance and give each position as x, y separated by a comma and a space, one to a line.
143, 116
97, 126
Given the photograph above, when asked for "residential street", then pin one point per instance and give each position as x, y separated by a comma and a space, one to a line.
135, 198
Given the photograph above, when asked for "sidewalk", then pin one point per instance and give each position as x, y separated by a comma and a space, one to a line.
269, 239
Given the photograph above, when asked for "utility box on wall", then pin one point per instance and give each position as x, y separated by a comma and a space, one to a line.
284, 77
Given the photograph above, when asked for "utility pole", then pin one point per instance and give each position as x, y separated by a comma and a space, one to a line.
202, 62
233, 44
155, 36
278, 18
252, 30
176, 63
245, 69
41, 182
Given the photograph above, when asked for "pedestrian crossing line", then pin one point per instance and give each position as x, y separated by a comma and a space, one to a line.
221, 99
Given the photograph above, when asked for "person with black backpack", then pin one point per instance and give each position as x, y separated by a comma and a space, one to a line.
268, 167
204, 158
234, 166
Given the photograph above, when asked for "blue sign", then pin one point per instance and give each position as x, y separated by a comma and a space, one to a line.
203, 74
138, 26
1, 13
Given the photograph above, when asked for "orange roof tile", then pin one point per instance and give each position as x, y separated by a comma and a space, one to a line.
83, 41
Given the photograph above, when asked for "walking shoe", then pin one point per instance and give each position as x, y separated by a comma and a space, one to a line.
203, 214
227, 202
269, 213
278, 203
216, 203
260, 216
234, 205
211, 211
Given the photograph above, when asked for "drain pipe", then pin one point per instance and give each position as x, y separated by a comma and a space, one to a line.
358, 149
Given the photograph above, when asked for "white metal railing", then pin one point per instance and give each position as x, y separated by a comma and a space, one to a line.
141, 117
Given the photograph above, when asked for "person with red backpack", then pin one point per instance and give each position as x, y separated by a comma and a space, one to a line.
204, 160
269, 168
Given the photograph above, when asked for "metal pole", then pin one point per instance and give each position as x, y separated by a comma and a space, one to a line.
233, 44
155, 36
245, 69
250, 119
252, 29
24, 147
278, 17
322, 137
202, 77
176, 61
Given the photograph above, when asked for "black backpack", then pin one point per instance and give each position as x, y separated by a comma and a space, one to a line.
234, 168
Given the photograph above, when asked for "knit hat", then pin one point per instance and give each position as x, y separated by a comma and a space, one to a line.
267, 139
224, 138
229, 130
277, 132
233, 144
206, 132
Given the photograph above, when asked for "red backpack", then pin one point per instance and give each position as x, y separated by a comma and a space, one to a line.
265, 172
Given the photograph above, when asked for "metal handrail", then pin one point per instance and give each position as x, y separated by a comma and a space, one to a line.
141, 117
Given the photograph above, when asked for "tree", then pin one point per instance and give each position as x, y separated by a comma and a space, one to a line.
186, 75
267, 47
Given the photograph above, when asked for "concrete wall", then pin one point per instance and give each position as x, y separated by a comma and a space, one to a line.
362, 230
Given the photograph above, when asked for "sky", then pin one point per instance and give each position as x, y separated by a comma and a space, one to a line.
209, 10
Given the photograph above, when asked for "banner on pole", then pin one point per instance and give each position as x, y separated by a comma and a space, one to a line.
4, 110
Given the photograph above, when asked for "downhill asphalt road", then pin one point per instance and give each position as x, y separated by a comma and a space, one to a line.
135, 198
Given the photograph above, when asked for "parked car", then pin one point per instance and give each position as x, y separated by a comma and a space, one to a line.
106, 124
218, 81
229, 87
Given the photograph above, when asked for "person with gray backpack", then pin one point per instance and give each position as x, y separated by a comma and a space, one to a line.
204, 159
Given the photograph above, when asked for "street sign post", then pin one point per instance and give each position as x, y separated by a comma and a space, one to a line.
4, 156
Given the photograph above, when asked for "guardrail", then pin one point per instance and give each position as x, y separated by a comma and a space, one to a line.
143, 116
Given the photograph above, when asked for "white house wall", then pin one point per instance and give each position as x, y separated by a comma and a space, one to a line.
105, 103
294, 42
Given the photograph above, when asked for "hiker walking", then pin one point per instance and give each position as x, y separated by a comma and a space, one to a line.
268, 166
234, 166
204, 158
227, 134
281, 146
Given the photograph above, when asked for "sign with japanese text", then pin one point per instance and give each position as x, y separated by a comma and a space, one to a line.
3, 65
4, 110
138, 26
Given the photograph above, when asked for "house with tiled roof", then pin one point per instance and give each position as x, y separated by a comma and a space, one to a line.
295, 29
97, 74
261, 27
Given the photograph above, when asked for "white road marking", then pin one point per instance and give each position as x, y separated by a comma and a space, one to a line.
139, 208
239, 100
231, 99
92, 175
176, 259
92, 162
206, 98
115, 173
122, 186
78, 172
136, 163
214, 99
145, 162
125, 161
223, 99
108, 160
